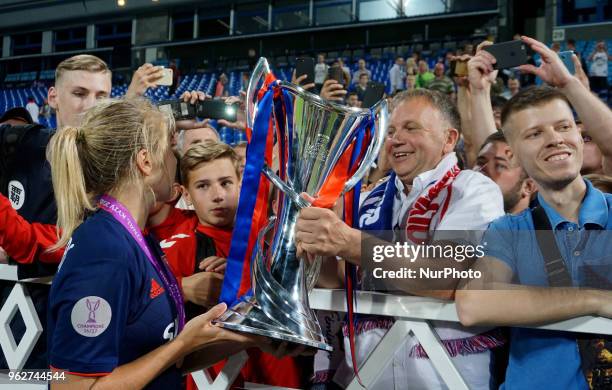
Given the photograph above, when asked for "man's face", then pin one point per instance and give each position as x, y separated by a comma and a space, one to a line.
513, 85
497, 116
213, 188
362, 64
198, 136
417, 139
592, 162
76, 92
363, 79
320, 59
439, 69
422, 66
495, 161
241, 152
547, 143
352, 101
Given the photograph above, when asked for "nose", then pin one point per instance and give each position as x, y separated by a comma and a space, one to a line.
218, 194
89, 101
553, 137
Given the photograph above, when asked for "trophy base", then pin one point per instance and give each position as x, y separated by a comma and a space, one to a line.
247, 317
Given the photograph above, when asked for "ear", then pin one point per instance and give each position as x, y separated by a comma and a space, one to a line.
52, 97
452, 136
528, 188
177, 191
186, 195
144, 163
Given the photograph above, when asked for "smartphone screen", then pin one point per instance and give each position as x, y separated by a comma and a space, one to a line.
508, 54
216, 109
566, 57
305, 66
166, 78
373, 93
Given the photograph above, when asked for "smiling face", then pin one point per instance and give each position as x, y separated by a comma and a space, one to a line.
547, 143
214, 188
418, 138
592, 162
495, 161
76, 92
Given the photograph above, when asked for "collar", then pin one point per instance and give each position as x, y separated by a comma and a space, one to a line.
427, 178
593, 210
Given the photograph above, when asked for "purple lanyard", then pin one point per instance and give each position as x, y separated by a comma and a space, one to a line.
121, 214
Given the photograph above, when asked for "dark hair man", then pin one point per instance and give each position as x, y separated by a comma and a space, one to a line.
526, 282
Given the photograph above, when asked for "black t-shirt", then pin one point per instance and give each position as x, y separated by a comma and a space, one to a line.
25, 179
25, 174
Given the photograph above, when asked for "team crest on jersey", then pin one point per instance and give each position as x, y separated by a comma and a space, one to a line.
91, 316
16, 194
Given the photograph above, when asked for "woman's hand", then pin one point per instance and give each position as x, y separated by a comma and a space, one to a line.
200, 331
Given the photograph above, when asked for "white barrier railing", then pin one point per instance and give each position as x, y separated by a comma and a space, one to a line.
411, 314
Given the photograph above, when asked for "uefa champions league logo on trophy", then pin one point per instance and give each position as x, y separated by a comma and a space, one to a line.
318, 140
92, 307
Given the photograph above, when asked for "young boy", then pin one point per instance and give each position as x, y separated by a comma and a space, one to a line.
199, 246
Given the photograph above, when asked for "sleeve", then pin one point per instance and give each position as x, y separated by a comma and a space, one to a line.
23, 241
498, 242
475, 202
88, 311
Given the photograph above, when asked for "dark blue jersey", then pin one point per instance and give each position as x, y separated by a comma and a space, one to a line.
108, 306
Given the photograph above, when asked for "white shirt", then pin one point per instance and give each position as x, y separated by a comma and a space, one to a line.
33, 110
599, 67
475, 201
397, 75
320, 73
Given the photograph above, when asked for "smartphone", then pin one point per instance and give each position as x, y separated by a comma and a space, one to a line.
216, 109
566, 57
177, 108
508, 54
166, 78
458, 68
305, 66
336, 73
373, 93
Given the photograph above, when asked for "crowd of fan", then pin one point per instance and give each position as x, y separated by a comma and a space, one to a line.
474, 151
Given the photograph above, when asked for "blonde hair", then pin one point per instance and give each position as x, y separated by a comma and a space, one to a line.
84, 62
206, 152
100, 156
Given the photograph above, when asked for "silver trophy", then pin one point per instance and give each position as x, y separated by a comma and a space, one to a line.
321, 133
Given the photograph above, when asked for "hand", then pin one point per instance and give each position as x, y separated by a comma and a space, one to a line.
321, 232
203, 288
298, 81
238, 125
192, 97
200, 331
580, 74
145, 77
481, 74
333, 90
213, 264
552, 70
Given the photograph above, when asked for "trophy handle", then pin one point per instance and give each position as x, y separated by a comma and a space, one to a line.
380, 132
261, 70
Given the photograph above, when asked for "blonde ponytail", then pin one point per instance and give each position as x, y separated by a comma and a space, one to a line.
100, 156
68, 183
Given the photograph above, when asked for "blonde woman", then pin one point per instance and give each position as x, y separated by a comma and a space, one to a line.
116, 314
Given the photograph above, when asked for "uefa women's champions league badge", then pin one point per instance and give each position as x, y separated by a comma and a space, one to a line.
91, 316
